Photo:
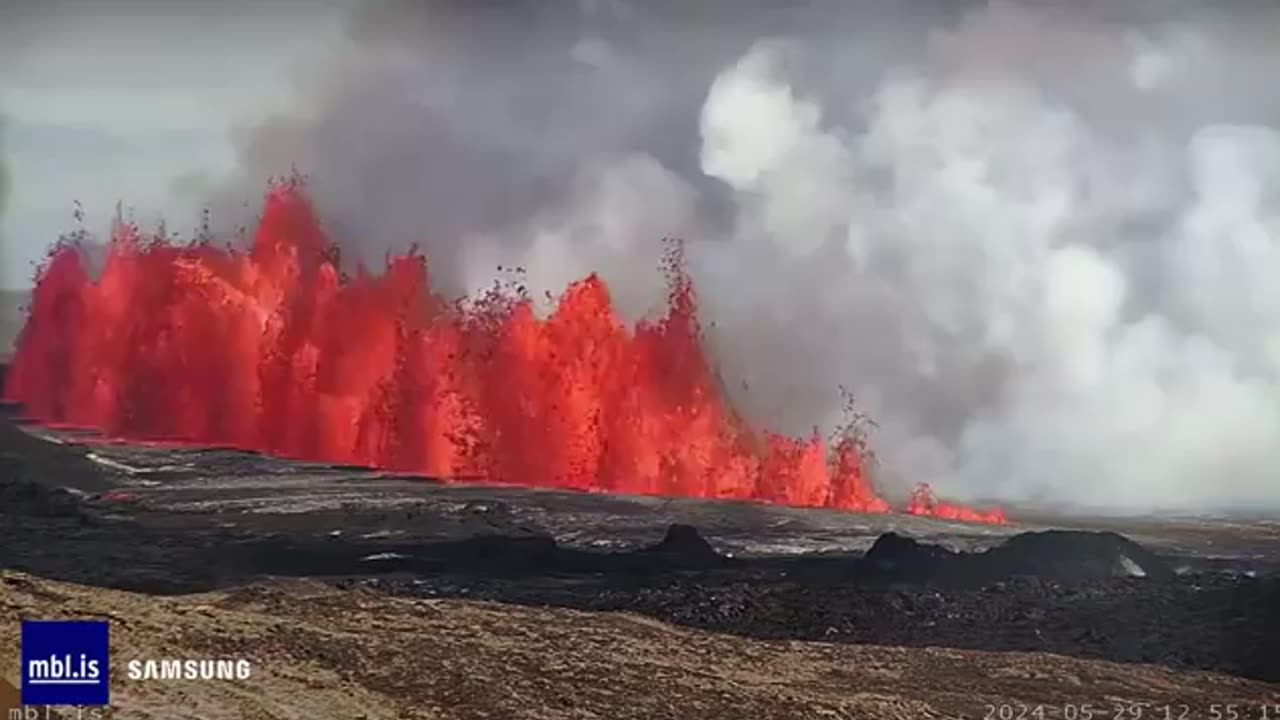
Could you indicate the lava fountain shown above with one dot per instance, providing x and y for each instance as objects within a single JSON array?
[{"x": 273, "y": 350}]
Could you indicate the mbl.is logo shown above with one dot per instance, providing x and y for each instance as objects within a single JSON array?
[{"x": 65, "y": 662}]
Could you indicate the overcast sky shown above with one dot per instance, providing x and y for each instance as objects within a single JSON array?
[{"x": 120, "y": 100}]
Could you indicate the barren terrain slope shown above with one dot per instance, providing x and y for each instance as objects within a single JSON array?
[{"x": 321, "y": 652}]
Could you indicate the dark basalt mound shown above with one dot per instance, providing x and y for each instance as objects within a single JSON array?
[
  {"x": 1064, "y": 556},
  {"x": 1071, "y": 556},
  {"x": 902, "y": 558},
  {"x": 684, "y": 547}
]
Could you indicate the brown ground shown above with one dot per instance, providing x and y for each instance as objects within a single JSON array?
[{"x": 319, "y": 652}]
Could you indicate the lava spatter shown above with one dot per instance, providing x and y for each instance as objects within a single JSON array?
[{"x": 273, "y": 349}]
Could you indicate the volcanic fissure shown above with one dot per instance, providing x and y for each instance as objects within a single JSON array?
[{"x": 273, "y": 349}]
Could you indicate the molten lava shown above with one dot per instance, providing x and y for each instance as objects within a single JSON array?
[{"x": 273, "y": 350}]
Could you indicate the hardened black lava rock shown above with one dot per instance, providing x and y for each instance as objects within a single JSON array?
[
  {"x": 22, "y": 494},
  {"x": 684, "y": 547},
  {"x": 1093, "y": 595},
  {"x": 893, "y": 556},
  {"x": 1070, "y": 556},
  {"x": 1217, "y": 622},
  {"x": 1067, "y": 556}
]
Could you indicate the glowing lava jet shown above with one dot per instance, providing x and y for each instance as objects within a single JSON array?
[{"x": 273, "y": 350}]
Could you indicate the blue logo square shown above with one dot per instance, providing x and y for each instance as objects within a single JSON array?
[{"x": 65, "y": 662}]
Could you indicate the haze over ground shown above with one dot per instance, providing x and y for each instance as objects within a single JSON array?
[{"x": 1035, "y": 240}]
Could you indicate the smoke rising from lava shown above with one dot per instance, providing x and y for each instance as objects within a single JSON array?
[
  {"x": 1034, "y": 241},
  {"x": 5, "y": 188}
]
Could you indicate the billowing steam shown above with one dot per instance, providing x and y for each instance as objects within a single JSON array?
[{"x": 1036, "y": 242}]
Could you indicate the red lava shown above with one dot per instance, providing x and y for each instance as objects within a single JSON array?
[{"x": 274, "y": 350}]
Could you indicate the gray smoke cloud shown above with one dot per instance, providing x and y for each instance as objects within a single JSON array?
[
  {"x": 6, "y": 183},
  {"x": 1035, "y": 240}
]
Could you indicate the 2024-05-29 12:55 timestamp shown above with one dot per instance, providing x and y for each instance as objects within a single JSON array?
[{"x": 1133, "y": 711}]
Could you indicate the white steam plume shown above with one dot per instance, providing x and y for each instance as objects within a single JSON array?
[{"x": 1035, "y": 242}]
